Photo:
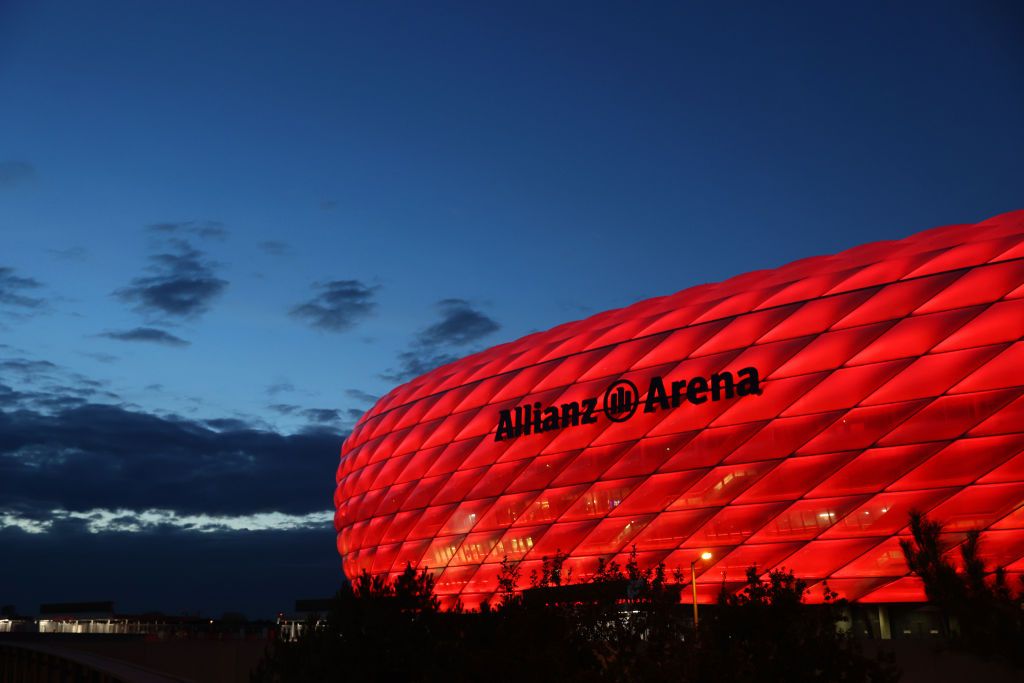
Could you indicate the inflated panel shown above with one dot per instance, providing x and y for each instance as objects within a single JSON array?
[{"x": 791, "y": 417}]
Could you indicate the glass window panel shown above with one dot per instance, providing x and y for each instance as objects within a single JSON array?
[
  {"x": 562, "y": 537},
  {"x": 886, "y": 513},
  {"x": 734, "y": 565},
  {"x": 845, "y": 387},
  {"x": 400, "y": 527},
  {"x": 621, "y": 358},
  {"x": 734, "y": 524},
  {"x": 805, "y": 519},
  {"x": 1005, "y": 370},
  {"x": 814, "y": 317},
  {"x": 550, "y": 504},
  {"x": 861, "y": 427},
  {"x": 1005, "y": 420},
  {"x": 818, "y": 559},
  {"x": 931, "y": 375},
  {"x": 496, "y": 479},
  {"x": 601, "y": 498},
  {"x": 1011, "y": 470},
  {"x": 656, "y": 492},
  {"x": 670, "y": 529},
  {"x": 476, "y": 547},
  {"x": 516, "y": 543},
  {"x": 777, "y": 395},
  {"x": 612, "y": 535},
  {"x": 1001, "y": 322},
  {"x": 540, "y": 471},
  {"x": 506, "y": 511},
  {"x": 721, "y": 485},
  {"x": 914, "y": 336},
  {"x": 830, "y": 350},
  {"x": 590, "y": 464},
  {"x": 453, "y": 580},
  {"x": 440, "y": 551},
  {"x": 978, "y": 506},
  {"x": 466, "y": 515},
  {"x": 897, "y": 300},
  {"x": 458, "y": 485},
  {"x": 418, "y": 464},
  {"x": 907, "y": 589},
  {"x": 735, "y": 303},
  {"x": 647, "y": 455},
  {"x": 892, "y": 268},
  {"x": 794, "y": 477},
  {"x": 874, "y": 469},
  {"x": 961, "y": 462},
  {"x": 711, "y": 446},
  {"x": 451, "y": 457},
  {"x": 431, "y": 520},
  {"x": 744, "y": 330},
  {"x": 782, "y": 437},
  {"x": 947, "y": 417},
  {"x": 679, "y": 344},
  {"x": 884, "y": 559},
  {"x": 977, "y": 286}
]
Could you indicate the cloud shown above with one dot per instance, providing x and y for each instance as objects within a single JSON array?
[
  {"x": 100, "y": 357},
  {"x": 14, "y": 288},
  {"x": 69, "y": 254},
  {"x": 204, "y": 229},
  {"x": 280, "y": 388},
  {"x": 362, "y": 396},
  {"x": 182, "y": 284},
  {"x": 15, "y": 173},
  {"x": 149, "y": 335},
  {"x": 105, "y": 520},
  {"x": 445, "y": 341},
  {"x": 460, "y": 324},
  {"x": 91, "y": 455},
  {"x": 274, "y": 248},
  {"x": 322, "y": 415},
  {"x": 338, "y": 306}
]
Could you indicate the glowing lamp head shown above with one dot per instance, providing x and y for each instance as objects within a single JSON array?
[{"x": 705, "y": 556}]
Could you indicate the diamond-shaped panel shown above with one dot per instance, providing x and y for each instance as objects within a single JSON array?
[{"x": 791, "y": 417}]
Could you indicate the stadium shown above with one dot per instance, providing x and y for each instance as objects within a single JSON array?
[{"x": 791, "y": 417}]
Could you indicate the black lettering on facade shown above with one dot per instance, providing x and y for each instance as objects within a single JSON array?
[
  {"x": 505, "y": 428},
  {"x": 656, "y": 397},
  {"x": 696, "y": 390},
  {"x": 570, "y": 414},
  {"x": 533, "y": 417},
  {"x": 677, "y": 392},
  {"x": 750, "y": 383},
  {"x": 720, "y": 382}
]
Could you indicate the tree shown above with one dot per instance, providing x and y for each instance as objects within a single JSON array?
[{"x": 978, "y": 608}]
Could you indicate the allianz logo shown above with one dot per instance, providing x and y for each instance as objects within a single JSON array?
[{"x": 621, "y": 401}]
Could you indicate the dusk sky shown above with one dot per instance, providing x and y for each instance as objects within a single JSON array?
[{"x": 227, "y": 228}]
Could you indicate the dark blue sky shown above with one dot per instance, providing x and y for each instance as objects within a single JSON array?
[{"x": 226, "y": 227}]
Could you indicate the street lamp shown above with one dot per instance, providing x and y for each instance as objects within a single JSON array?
[{"x": 704, "y": 556}]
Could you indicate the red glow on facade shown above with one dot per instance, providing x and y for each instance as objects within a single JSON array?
[{"x": 890, "y": 377}]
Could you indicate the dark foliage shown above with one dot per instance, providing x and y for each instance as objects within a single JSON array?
[
  {"x": 980, "y": 613},
  {"x": 625, "y": 624}
]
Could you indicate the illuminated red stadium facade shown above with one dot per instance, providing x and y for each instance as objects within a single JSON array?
[{"x": 790, "y": 417}]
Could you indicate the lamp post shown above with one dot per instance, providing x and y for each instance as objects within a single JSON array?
[{"x": 704, "y": 556}]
